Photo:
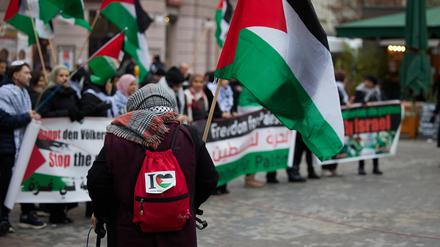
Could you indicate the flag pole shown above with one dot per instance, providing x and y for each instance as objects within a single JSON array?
[
  {"x": 37, "y": 40},
  {"x": 211, "y": 111},
  {"x": 52, "y": 51},
  {"x": 83, "y": 47}
]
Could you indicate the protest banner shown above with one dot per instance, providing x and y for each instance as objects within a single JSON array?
[
  {"x": 56, "y": 169},
  {"x": 247, "y": 144},
  {"x": 61, "y": 156},
  {"x": 371, "y": 131}
]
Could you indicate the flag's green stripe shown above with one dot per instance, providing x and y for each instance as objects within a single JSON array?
[
  {"x": 47, "y": 10},
  {"x": 40, "y": 179},
  {"x": 73, "y": 8},
  {"x": 265, "y": 73},
  {"x": 372, "y": 111},
  {"x": 23, "y": 24},
  {"x": 218, "y": 32},
  {"x": 103, "y": 68},
  {"x": 83, "y": 23},
  {"x": 122, "y": 18},
  {"x": 253, "y": 163}
]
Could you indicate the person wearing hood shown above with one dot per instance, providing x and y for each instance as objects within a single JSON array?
[
  {"x": 60, "y": 100},
  {"x": 127, "y": 139},
  {"x": 126, "y": 86},
  {"x": 368, "y": 91}
]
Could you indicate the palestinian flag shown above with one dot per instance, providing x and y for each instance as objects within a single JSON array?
[
  {"x": 71, "y": 11},
  {"x": 223, "y": 17},
  {"x": 279, "y": 51},
  {"x": 129, "y": 16},
  {"x": 16, "y": 16},
  {"x": 105, "y": 62}
]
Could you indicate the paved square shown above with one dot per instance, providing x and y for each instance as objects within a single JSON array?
[{"x": 401, "y": 208}]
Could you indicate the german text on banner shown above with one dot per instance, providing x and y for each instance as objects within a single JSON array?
[
  {"x": 371, "y": 131},
  {"x": 63, "y": 153}
]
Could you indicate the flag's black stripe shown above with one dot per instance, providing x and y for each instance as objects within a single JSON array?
[
  {"x": 305, "y": 11},
  {"x": 228, "y": 14},
  {"x": 142, "y": 18}
]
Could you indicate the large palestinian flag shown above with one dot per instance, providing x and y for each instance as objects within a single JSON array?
[
  {"x": 129, "y": 16},
  {"x": 279, "y": 51},
  {"x": 105, "y": 62},
  {"x": 223, "y": 17}
]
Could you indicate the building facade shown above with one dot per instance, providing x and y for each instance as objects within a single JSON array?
[{"x": 183, "y": 30}]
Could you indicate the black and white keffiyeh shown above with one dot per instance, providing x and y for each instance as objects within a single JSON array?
[{"x": 149, "y": 109}]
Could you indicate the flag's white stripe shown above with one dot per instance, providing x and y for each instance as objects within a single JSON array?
[
  {"x": 224, "y": 28},
  {"x": 130, "y": 8},
  {"x": 44, "y": 30},
  {"x": 67, "y": 20},
  {"x": 310, "y": 62},
  {"x": 143, "y": 52},
  {"x": 34, "y": 8}
]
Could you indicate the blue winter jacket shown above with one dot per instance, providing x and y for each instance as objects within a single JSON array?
[{"x": 8, "y": 123}]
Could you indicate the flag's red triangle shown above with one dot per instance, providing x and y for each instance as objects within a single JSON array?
[
  {"x": 112, "y": 48},
  {"x": 13, "y": 8},
  {"x": 255, "y": 13},
  {"x": 36, "y": 161},
  {"x": 220, "y": 4}
]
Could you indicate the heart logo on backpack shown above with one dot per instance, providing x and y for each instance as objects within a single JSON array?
[
  {"x": 159, "y": 182},
  {"x": 164, "y": 180}
]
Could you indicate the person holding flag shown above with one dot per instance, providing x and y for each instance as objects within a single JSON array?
[
  {"x": 103, "y": 66},
  {"x": 130, "y": 17}
]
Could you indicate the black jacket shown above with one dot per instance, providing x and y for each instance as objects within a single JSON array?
[
  {"x": 60, "y": 101},
  {"x": 92, "y": 106},
  {"x": 111, "y": 182},
  {"x": 8, "y": 123}
]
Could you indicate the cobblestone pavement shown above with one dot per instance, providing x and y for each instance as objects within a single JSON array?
[{"x": 401, "y": 208}]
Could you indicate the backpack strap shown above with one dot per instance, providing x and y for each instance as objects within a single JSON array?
[{"x": 173, "y": 140}]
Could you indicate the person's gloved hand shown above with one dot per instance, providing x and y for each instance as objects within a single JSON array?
[
  {"x": 75, "y": 115},
  {"x": 104, "y": 106}
]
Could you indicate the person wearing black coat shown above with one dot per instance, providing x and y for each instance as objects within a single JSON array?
[
  {"x": 60, "y": 100},
  {"x": 113, "y": 193},
  {"x": 368, "y": 91},
  {"x": 95, "y": 102}
]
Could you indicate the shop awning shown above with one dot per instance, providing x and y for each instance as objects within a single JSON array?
[{"x": 387, "y": 27}]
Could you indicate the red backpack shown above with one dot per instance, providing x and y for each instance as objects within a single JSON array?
[{"x": 161, "y": 197}]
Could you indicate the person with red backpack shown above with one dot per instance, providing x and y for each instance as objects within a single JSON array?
[{"x": 152, "y": 175}]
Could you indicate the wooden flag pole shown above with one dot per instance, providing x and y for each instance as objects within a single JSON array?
[
  {"x": 211, "y": 111},
  {"x": 83, "y": 47},
  {"x": 40, "y": 53},
  {"x": 52, "y": 52}
]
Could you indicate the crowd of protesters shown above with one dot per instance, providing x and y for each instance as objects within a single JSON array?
[{"x": 27, "y": 95}]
